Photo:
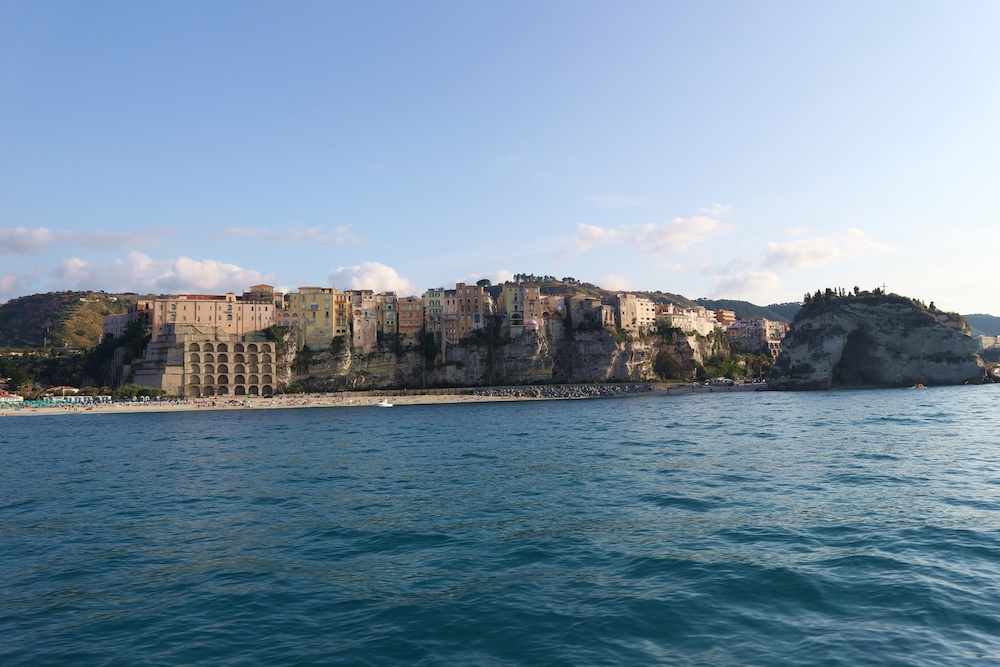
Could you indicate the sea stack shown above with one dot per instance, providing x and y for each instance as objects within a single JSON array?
[{"x": 875, "y": 341}]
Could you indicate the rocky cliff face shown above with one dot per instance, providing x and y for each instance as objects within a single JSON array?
[
  {"x": 885, "y": 341},
  {"x": 555, "y": 357}
]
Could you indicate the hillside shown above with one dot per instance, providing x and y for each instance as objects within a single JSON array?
[
  {"x": 58, "y": 319},
  {"x": 983, "y": 325}
]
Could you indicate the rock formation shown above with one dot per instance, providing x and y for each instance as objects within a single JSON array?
[{"x": 880, "y": 341}]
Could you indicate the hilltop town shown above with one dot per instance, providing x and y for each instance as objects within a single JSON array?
[
  {"x": 241, "y": 344},
  {"x": 534, "y": 329}
]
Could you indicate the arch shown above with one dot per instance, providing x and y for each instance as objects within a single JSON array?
[
  {"x": 222, "y": 379},
  {"x": 222, "y": 347},
  {"x": 516, "y": 319},
  {"x": 240, "y": 368},
  {"x": 194, "y": 347},
  {"x": 195, "y": 380},
  {"x": 240, "y": 390},
  {"x": 253, "y": 358},
  {"x": 265, "y": 379},
  {"x": 240, "y": 379},
  {"x": 209, "y": 379},
  {"x": 265, "y": 357},
  {"x": 209, "y": 348},
  {"x": 253, "y": 379},
  {"x": 238, "y": 347},
  {"x": 265, "y": 368},
  {"x": 222, "y": 358},
  {"x": 222, "y": 368},
  {"x": 195, "y": 357},
  {"x": 239, "y": 358},
  {"x": 210, "y": 358},
  {"x": 195, "y": 368},
  {"x": 223, "y": 391},
  {"x": 209, "y": 368},
  {"x": 254, "y": 368},
  {"x": 252, "y": 347},
  {"x": 193, "y": 392},
  {"x": 266, "y": 390},
  {"x": 208, "y": 391},
  {"x": 254, "y": 391}
]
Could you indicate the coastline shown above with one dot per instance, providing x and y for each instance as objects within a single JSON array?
[{"x": 372, "y": 398}]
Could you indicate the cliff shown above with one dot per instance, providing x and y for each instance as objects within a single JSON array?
[
  {"x": 881, "y": 341},
  {"x": 557, "y": 356}
]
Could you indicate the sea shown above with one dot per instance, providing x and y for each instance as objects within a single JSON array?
[{"x": 855, "y": 527}]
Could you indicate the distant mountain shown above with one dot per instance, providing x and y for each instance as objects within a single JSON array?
[
  {"x": 59, "y": 319},
  {"x": 786, "y": 310},
  {"x": 745, "y": 309},
  {"x": 983, "y": 325}
]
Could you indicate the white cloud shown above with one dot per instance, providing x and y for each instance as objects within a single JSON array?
[
  {"x": 145, "y": 274},
  {"x": 614, "y": 200},
  {"x": 373, "y": 276},
  {"x": 587, "y": 237},
  {"x": 807, "y": 253},
  {"x": 746, "y": 283},
  {"x": 672, "y": 267},
  {"x": 10, "y": 285},
  {"x": 21, "y": 240},
  {"x": 616, "y": 283},
  {"x": 678, "y": 235},
  {"x": 339, "y": 235},
  {"x": 717, "y": 210}
]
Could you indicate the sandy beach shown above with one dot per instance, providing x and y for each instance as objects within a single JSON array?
[{"x": 373, "y": 398}]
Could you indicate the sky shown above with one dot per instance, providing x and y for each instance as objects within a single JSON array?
[{"x": 752, "y": 150}]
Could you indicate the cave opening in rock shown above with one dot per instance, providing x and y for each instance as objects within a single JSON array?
[{"x": 859, "y": 365}]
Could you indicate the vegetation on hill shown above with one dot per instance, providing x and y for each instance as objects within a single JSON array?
[
  {"x": 59, "y": 319},
  {"x": 786, "y": 310}
]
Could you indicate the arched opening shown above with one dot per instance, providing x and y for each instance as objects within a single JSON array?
[
  {"x": 195, "y": 357},
  {"x": 193, "y": 392},
  {"x": 222, "y": 358},
  {"x": 240, "y": 379},
  {"x": 210, "y": 358},
  {"x": 195, "y": 380},
  {"x": 222, "y": 347},
  {"x": 208, "y": 391},
  {"x": 266, "y": 368},
  {"x": 195, "y": 368},
  {"x": 238, "y": 347},
  {"x": 266, "y": 379},
  {"x": 223, "y": 379},
  {"x": 240, "y": 390},
  {"x": 253, "y": 379},
  {"x": 223, "y": 391},
  {"x": 194, "y": 347},
  {"x": 209, "y": 348},
  {"x": 240, "y": 368},
  {"x": 239, "y": 358},
  {"x": 266, "y": 390},
  {"x": 254, "y": 391},
  {"x": 265, "y": 357},
  {"x": 209, "y": 379},
  {"x": 252, "y": 347},
  {"x": 209, "y": 368},
  {"x": 223, "y": 368}
]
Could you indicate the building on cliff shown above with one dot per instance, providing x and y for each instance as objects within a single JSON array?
[
  {"x": 473, "y": 305},
  {"x": 519, "y": 303},
  {"x": 236, "y": 315},
  {"x": 411, "y": 315},
  {"x": 701, "y": 321},
  {"x": 758, "y": 334},
  {"x": 633, "y": 313}
]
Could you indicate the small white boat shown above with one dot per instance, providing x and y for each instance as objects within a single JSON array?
[{"x": 384, "y": 403}]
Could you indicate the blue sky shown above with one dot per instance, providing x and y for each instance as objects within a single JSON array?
[{"x": 746, "y": 150}]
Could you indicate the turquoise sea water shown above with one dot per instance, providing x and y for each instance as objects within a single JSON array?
[{"x": 833, "y": 528}]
